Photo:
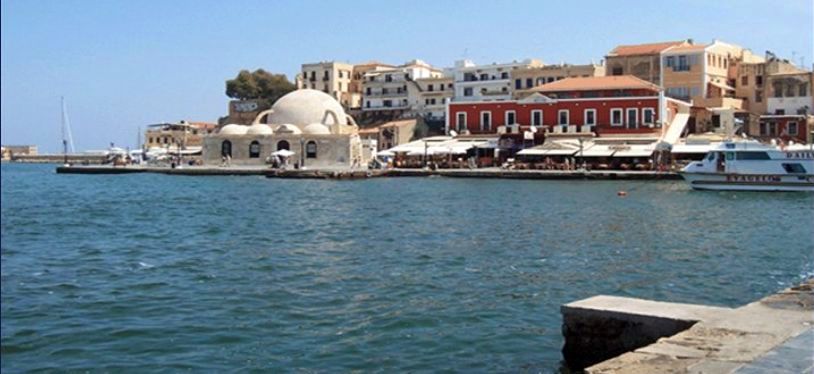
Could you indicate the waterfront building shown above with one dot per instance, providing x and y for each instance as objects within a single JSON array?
[
  {"x": 486, "y": 82},
  {"x": 386, "y": 91},
  {"x": 331, "y": 77},
  {"x": 640, "y": 60},
  {"x": 428, "y": 97},
  {"x": 525, "y": 80},
  {"x": 390, "y": 134},
  {"x": 612, "y": 104},
  {"x": 184, "y": 134},
  {"x": 10, "y": 151},
  {"x": 309, "y": 123},
  {"x": 606, "y": 116}
]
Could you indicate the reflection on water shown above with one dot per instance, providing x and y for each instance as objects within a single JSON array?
[{"x": 211, "y": 273}]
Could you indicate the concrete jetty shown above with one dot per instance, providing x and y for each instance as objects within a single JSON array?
[
  {"x": 608, "y": 334},
  {"x": 363, "y": 173}
]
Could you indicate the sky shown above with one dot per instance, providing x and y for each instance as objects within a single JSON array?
[{"x": 122, "y": 65}]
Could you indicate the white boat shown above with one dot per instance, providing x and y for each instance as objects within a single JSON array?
[{"x": 752, "y": 166}]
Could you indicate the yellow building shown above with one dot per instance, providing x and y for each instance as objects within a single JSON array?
[
  {"x": 640, "y": 60},
  {"x": 171, "y": 135},
  {"x": 331, "y": 77}
]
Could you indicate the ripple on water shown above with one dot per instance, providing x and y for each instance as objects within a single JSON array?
[{"x": 235, "y": 273}]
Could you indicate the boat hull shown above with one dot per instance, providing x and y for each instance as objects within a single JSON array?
[{"x": 749, "y": 182}]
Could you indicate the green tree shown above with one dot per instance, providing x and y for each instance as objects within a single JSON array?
[{"x": 259, "y": 84}]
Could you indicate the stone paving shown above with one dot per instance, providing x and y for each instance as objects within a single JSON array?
[{"x": 772, "y": 335}]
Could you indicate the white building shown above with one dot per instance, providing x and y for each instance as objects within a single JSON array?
[
  {"x": 388, "y": 89},
  {"x": 486, "y": 82}
]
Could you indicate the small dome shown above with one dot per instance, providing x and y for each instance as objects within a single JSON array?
[
  {"x": 301, "y": 107},
  {"x": 288, "y": 128},
  {"x": 259, "y": 129},
  {"x": 316, "y": 129},
  {"x": 233, "y": 129}
]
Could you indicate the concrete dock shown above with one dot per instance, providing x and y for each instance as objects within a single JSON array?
[
  {"x": 608, "y": 334},
  {"x": 363, "y": 173}
]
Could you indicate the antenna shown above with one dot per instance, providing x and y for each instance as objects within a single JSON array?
[{"x": 66, "y": 126}]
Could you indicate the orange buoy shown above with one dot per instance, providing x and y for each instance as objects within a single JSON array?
[{"x": 621, "y": 193}]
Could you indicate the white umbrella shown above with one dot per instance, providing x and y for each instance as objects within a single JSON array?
[
  {"x": 385, "y": 154},
  {"x": 283, "y": 153}
]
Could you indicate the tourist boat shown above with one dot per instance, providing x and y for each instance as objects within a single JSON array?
[{"x": 752, "y": 166}]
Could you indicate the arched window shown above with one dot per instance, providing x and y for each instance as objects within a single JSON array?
[
  {"x": 282, "y": 144},
  {"x": 254, "y": 149},
  {"x": 226, "y": 148},
  {"x": 311, "y": 149}
]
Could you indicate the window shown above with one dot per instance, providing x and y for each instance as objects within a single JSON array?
[
  {"x": 511, "y": 117},
  {"x": 683, "y": 65},
  {"x": 791, "y": 128},
  {"x": 616, "y": 117},
  {"x": 484, "y": 77},
  {"x": 311, "y": 149},
  {"x": 388, "y": 78},
  {"x": 537, "y": 118},
  {"x": 225, "y": 149},
  {"x": 745, "y": 80},
  {"x": 485, "y": 121},
  {"x": 758, "y": 96},
  {"x": 648, "y": 116},
  {"x": 430, "y": 88},
  {"x": 752, "y": 156},
  {"x": 504, "y": 75},
  {"x": 615, "y": 71},
  {"x": 387, "y": 103},
  {"x": 803, "y": 89},
  {"x": 282, "y": 144},
  {"x": 540, "y": 81},
  {"x": 529, "y": 82},
  {"x": 254, "y": 149},
  {"x": 367, "y": 103},
  {"x": 551, "y": 79},
  {"x": 518, "y": 84},
  {"x": 460, "y": 121},
  {"x": 794, "y": 168},
  {"x": 468, "y": 91},
  {"x": 562, "y": 117},
  {"x": 150, "y": 141},
  {"x": 759, "y": 80},
  {"x": 590, "y": 117},
  {"x": 632, "y": 118},
  {"x": 670, "y": 61},
  {"x": 367, "y": 91}
]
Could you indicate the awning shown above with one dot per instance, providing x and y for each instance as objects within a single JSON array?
[
  {"x": 419, "y": 152},
  {"x": 598, "y": 150},
  {"x": 636, "y": 151},
  {"x": 385, "y": 154},
  {"x": 532, "y": 152}
]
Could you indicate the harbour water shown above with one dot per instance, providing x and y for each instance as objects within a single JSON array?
[{"x": 148, "y": 272}]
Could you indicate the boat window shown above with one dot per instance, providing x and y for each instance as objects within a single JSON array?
[
  {"x": 730, "y": 156},
  {"x": 794, "y": 168},
  {"x": 711, "y": 156},
  {"x": 753, "y": 156}
]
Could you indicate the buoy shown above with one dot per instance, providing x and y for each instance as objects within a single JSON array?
[{"x": 621, "y": 193}]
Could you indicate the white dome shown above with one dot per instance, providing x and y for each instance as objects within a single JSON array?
[
  {"x": 302, "y": 107},
  {"x": 259, "y": 129},
  {"x": 288, "y": 129},
  {"x": 233, "y": 129},
  {"x": 316, "y": 129}
]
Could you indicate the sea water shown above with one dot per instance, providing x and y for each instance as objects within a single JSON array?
[{"x": 149, "y": 272}]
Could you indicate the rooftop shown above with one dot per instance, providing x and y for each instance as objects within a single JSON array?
[
  {"x": 644, "y": 49},
  {"x": 617, "y": 82}
]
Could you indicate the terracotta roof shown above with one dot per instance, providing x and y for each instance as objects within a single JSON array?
[
  {"x": 617, "y": 82},
  {"x": 643, "y": 49}
]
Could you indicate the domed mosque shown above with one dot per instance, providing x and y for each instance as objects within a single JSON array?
[{"x": 308, "y": 122}]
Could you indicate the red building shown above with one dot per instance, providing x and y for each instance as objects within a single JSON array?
[
  {"x": 789, "y": 127},
  {"x": 603, "y": 105}
]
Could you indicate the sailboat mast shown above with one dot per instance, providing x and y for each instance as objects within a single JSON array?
[{"x": 66, "y": 127}]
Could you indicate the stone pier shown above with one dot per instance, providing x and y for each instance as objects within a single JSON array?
[{"x": 607, "y": 334}]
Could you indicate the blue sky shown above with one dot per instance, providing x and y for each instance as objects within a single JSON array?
[{"x": 125, "y": 64}]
